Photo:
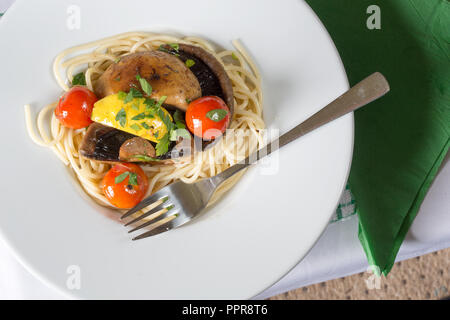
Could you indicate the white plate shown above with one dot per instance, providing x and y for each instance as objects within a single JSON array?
[{"x": 244, "y": 244}]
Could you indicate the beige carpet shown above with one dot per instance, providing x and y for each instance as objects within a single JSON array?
[{"x": 425, "y": 277}]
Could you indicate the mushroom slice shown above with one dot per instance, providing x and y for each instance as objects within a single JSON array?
[
  {"x": 136, "y": 149},
  {"x": 213, "y": 81},
  {"x": 167, "y": 75}
]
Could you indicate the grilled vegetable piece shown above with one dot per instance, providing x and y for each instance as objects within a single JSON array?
[
  {"x": 133, "y": 117},
  {"x": 167, "y": 75},
  {"x": 136, "y": 150}
]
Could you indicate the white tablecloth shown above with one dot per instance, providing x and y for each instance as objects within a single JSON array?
[{"x": 338, "y": 253}]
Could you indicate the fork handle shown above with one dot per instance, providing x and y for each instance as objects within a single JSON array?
[{"x": 364, "y": 92}]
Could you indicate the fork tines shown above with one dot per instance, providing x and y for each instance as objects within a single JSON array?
[{"x": 155, "y": 215}]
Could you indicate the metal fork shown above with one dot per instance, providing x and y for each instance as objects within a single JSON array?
[{"x": 180, "y": 202}]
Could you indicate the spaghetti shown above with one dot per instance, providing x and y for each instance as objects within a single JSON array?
[{"x": 243, "y": 137}]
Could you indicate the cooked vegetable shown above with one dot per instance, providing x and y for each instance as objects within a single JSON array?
[
  {"x": 125, "y": 185},
  {"x": 207, "y": 117},
  {"x": 75, "y": 107},
  {"x": 79, "y": 79},
  {"x": 134, "y": 148},
  {"x": 139, "y": 116},
  {"x": 164, "y": 73}
]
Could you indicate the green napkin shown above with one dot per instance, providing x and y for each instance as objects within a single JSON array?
[{"x": 401, "y": 139}]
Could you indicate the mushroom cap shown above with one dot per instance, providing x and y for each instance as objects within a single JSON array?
[{"x": 167, "y": 75}]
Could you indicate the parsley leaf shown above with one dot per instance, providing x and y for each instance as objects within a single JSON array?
[
  {"x": 175, "y": 46},
  {"x": 121, "y": 95},
  {"x": 133, "y": 179},
  {"x": 163, "y": 145},
  {"x": 140, "y": 116},
  {"x": 117, "y": 79},
  {"x": 79, "y": 79},
  {"x": 121, "y": 177},
  {"x": 146, "y": 87},
  {"x": 233, "y": 55},
  {"x": 189, "y": 63},
  {"x": 135, "y": 105},
  {"x": 143, "y": 157},
  {"x": 134, "y": 93},
  {"x": 122, "y": 117},
  {"x": 161, "y": 101},
  {"x": 135, "y": 126},
  {"x": 216, "y": 115},
  {"x": 145, "y": 125},
  {"x": 179, "y": 120}
]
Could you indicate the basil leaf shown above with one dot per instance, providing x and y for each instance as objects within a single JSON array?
[
  {"x": 216, "y": 115},
  {"x": 122, "y": 117},
  {"x": 163, "y": 145},
  {"x": 140, "y": 116},
  {"x": 135, "y": 126},
  {"x": 146, "y": 87},
  {"x": 79, "y": 79},
  {"x": 133, "y": 179},
  {"x": 121, "y": 177},
  {"x": 189, "y": 63}
]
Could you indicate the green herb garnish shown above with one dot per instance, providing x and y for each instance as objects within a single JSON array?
[
  {"x": 233, "y": 55},
  {"x": 134, "y": 93},
  {"x": 117, "y": 60},
  {"x": 143, "y": 157},
  {"x": 188, "y": 100},
  {"x": 121, "y": 95},
  {"x": 133, "y": 179},
  {"x": 175, "y": 46},
  {"x": 117, "y": 79},
  {"x": 163, "y": 145},
  {"x": 79, "y": 79},
  {"x": 121, "y": 177},
  {"x": 161, "y": 101},
  {"x": 189, "y": 63},
  {"x": 145, "y": 125},
  {"x": 216, "y": 115},
  {"x": 135, "y": 105},
  {"x": 164, "y": 49},
  {"x": 139, "y": 116},
  {"x": 135, "y": 127},
  {"x": 179, "y": 120},
  {"x": 146, "y": 87},
  {"x": 122, "y": 117}
]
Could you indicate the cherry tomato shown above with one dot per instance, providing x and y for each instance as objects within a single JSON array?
[
  {"x": 125, "y": 185},
  {"x": 75, "y": 107},
  {"x": 204, "y": 121}
]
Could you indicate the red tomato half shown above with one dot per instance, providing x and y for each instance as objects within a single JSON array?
[
  {"x": 204, "y": 120},
  {"x": 75, "y": 107},
  {"x": 125, "y": 185}
]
